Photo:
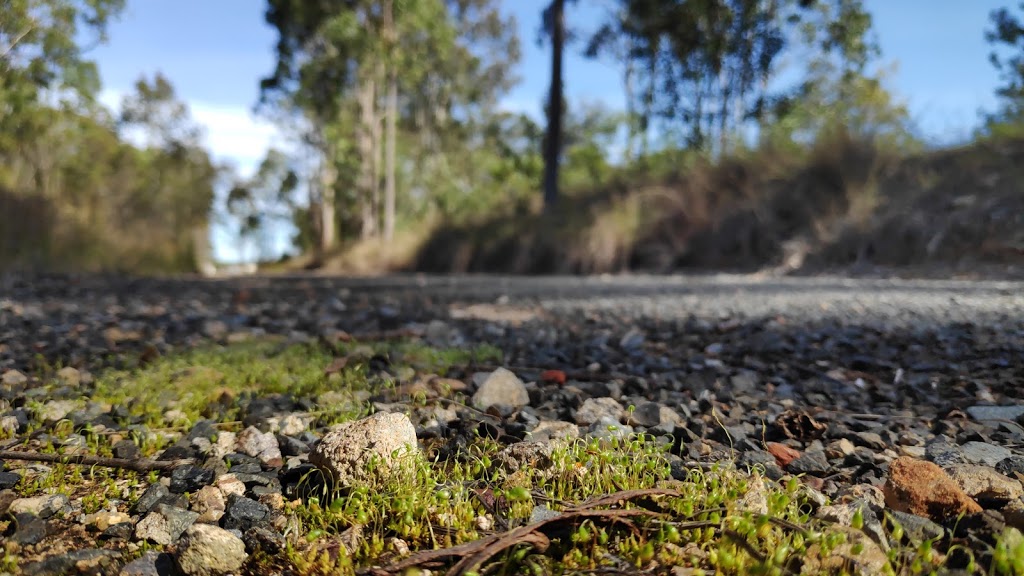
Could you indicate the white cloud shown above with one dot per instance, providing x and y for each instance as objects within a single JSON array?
[
  {"x": 235, "y": 134},
  {"x": 231, "y": 133}
]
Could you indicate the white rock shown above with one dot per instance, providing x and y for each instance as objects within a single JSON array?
[
  {"x": 207, "y": 550},
  {"x": 262, "y": 445},
  {"x": 57, "y": 410},
  {"x": 209, "y": 502},
  {"x": 225, "y": 444},
  {"x": 69, "y": 376},
  {"x": 229, "y": 484},
  {"x": 346, "y": 452},
  {"x": 13, "y": 378},
  {"x": 594, "y": 409},
  {"x": 42, "y": 506},
  {"x": 501, "y": 387}
]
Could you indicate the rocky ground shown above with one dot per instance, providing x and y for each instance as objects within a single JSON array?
[{"x": 897, "y": 406}]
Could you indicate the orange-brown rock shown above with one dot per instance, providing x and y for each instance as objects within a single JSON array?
[
  {"x": 922, "y": 488},
  {"x": 783, "y": 454}
]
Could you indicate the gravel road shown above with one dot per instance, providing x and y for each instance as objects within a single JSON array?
[{"x": 830, "y": 378}]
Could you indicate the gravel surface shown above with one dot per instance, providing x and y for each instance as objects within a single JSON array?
[{"x": 831, "y": 378}]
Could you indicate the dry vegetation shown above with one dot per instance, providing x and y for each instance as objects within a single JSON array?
[{"x": 844, "y": 205}]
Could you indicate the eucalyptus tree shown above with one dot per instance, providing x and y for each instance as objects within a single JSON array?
[
  {"x": 373, "y": 79},
  {"x": 1007, "y": 38}
]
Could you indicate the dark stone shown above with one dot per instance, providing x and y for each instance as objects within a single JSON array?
[
  {"x": 190, "y": 478},
  {"x": 1010, "y": 465},
  {"x": 265, "y": 538},
  {"x": 203, "y": 429},
  {"x": 30, "y": 529},
  {"x": 122, "y": 531},
  {"x": 243, "y": 464},
  {"x": 151, "y": 563},
  {"x": 80, "y": 562},
  {"x": 943, "y": 452},
  {"x": 155, "y": 494},
  {"x": 812, "y": 462},
  {"x": 127, "y": 449},
  {"x": 9, "y": 480},
  {"x": 242, "y": 513},
  {"x": 251, "y": 480},
  {"x": 291, "y": 446},
  {"x": 871, "y": 439},
  {"x": 647, "y": 414},
  {"x": 176, "y": 452},
  {"x": 917, "y": 528}
]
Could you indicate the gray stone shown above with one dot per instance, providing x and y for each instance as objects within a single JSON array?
[
  {"x": 982, "y": 413},
  {"x": 872, "y": 440},
  {"x": 744, "y": 382},
  {"x": 261, "y": 537},
  {"x": 9, "y": 480},
  {"x": 609, "y": 428},
  {"x": 209, "y": 502},
  {"x": 69, "y": 376},
  {"x": 632, "y": 340},
  {"x": 152, "y": 496},
  {"x": 89, "y": 561},
  {"x": 41, "y": 506},
  {"x": 207, "y": 550},
  {"x": 843, "y": 515},
  {"x": 57, "y": 410},
  {"x": 810, "y": 462},
  {"x": 549, "y": 430},
  {"x": 262, "y": 445},
  {"x": 943, "y": 452},
  {"x": 13, "y": 378},
  {"x": 242, "y": 513},
  {"x": 152, "y": 563},
  {"x": 647, "y": 414},
  {"x": 500, "y": 388},
  {"x": 164, "y": 524},
  {"x": 190, "y": 478},
  {"x": 541, "y": 513},
  {"x": 345, "y": 453},
  {"x": 984, "y": 483},
  {"x": 30, "y": 529},
  {"x": 531, "y": 455},
  {"x": 985, "y": 453},
  {"x": 595, "y": 409},
  {"x": 917, "y": 528}
]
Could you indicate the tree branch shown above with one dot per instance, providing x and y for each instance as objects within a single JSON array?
[{"x": 138, "y": 465}]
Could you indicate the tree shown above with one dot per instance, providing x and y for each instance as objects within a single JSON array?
[
  {"x": 374, "y": 80},
  {"x": 1007, "y": 56},
  {"x": 40, "y": 54},
  {"x": 555, "y": 23}
]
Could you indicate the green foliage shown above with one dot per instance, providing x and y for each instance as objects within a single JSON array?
[
  {"x": 1007, "y": 38},
  {"x": 74, "y": 193}
]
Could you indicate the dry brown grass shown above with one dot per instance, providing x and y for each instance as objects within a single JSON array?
[{"x": 844, "y": 203}]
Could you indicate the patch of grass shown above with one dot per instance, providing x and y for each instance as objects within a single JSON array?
[
  {"x": 428, "y": 359},
  {"x": 710, "y": 519},
  {"x": 207, "y": 382}
]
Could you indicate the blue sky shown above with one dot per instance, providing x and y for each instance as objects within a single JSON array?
[{"x": 216, "y": 51}]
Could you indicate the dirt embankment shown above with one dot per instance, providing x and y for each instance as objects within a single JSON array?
[{"x": 844, "y": 206}]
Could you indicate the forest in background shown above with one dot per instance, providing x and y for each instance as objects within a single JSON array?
[{"x": 400, "y": 156}]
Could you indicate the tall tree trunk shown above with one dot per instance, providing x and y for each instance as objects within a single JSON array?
[
  {"x": 630, "y": 106},
  {"x": 390, "y": 159},
  {"x": 378, "y": 149},
  {"x": 392, "y": 126},
  {"x": 367, "y": 157},
  {"x": 327, "y": 211},
  {"x": 554, "y": 133}
]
